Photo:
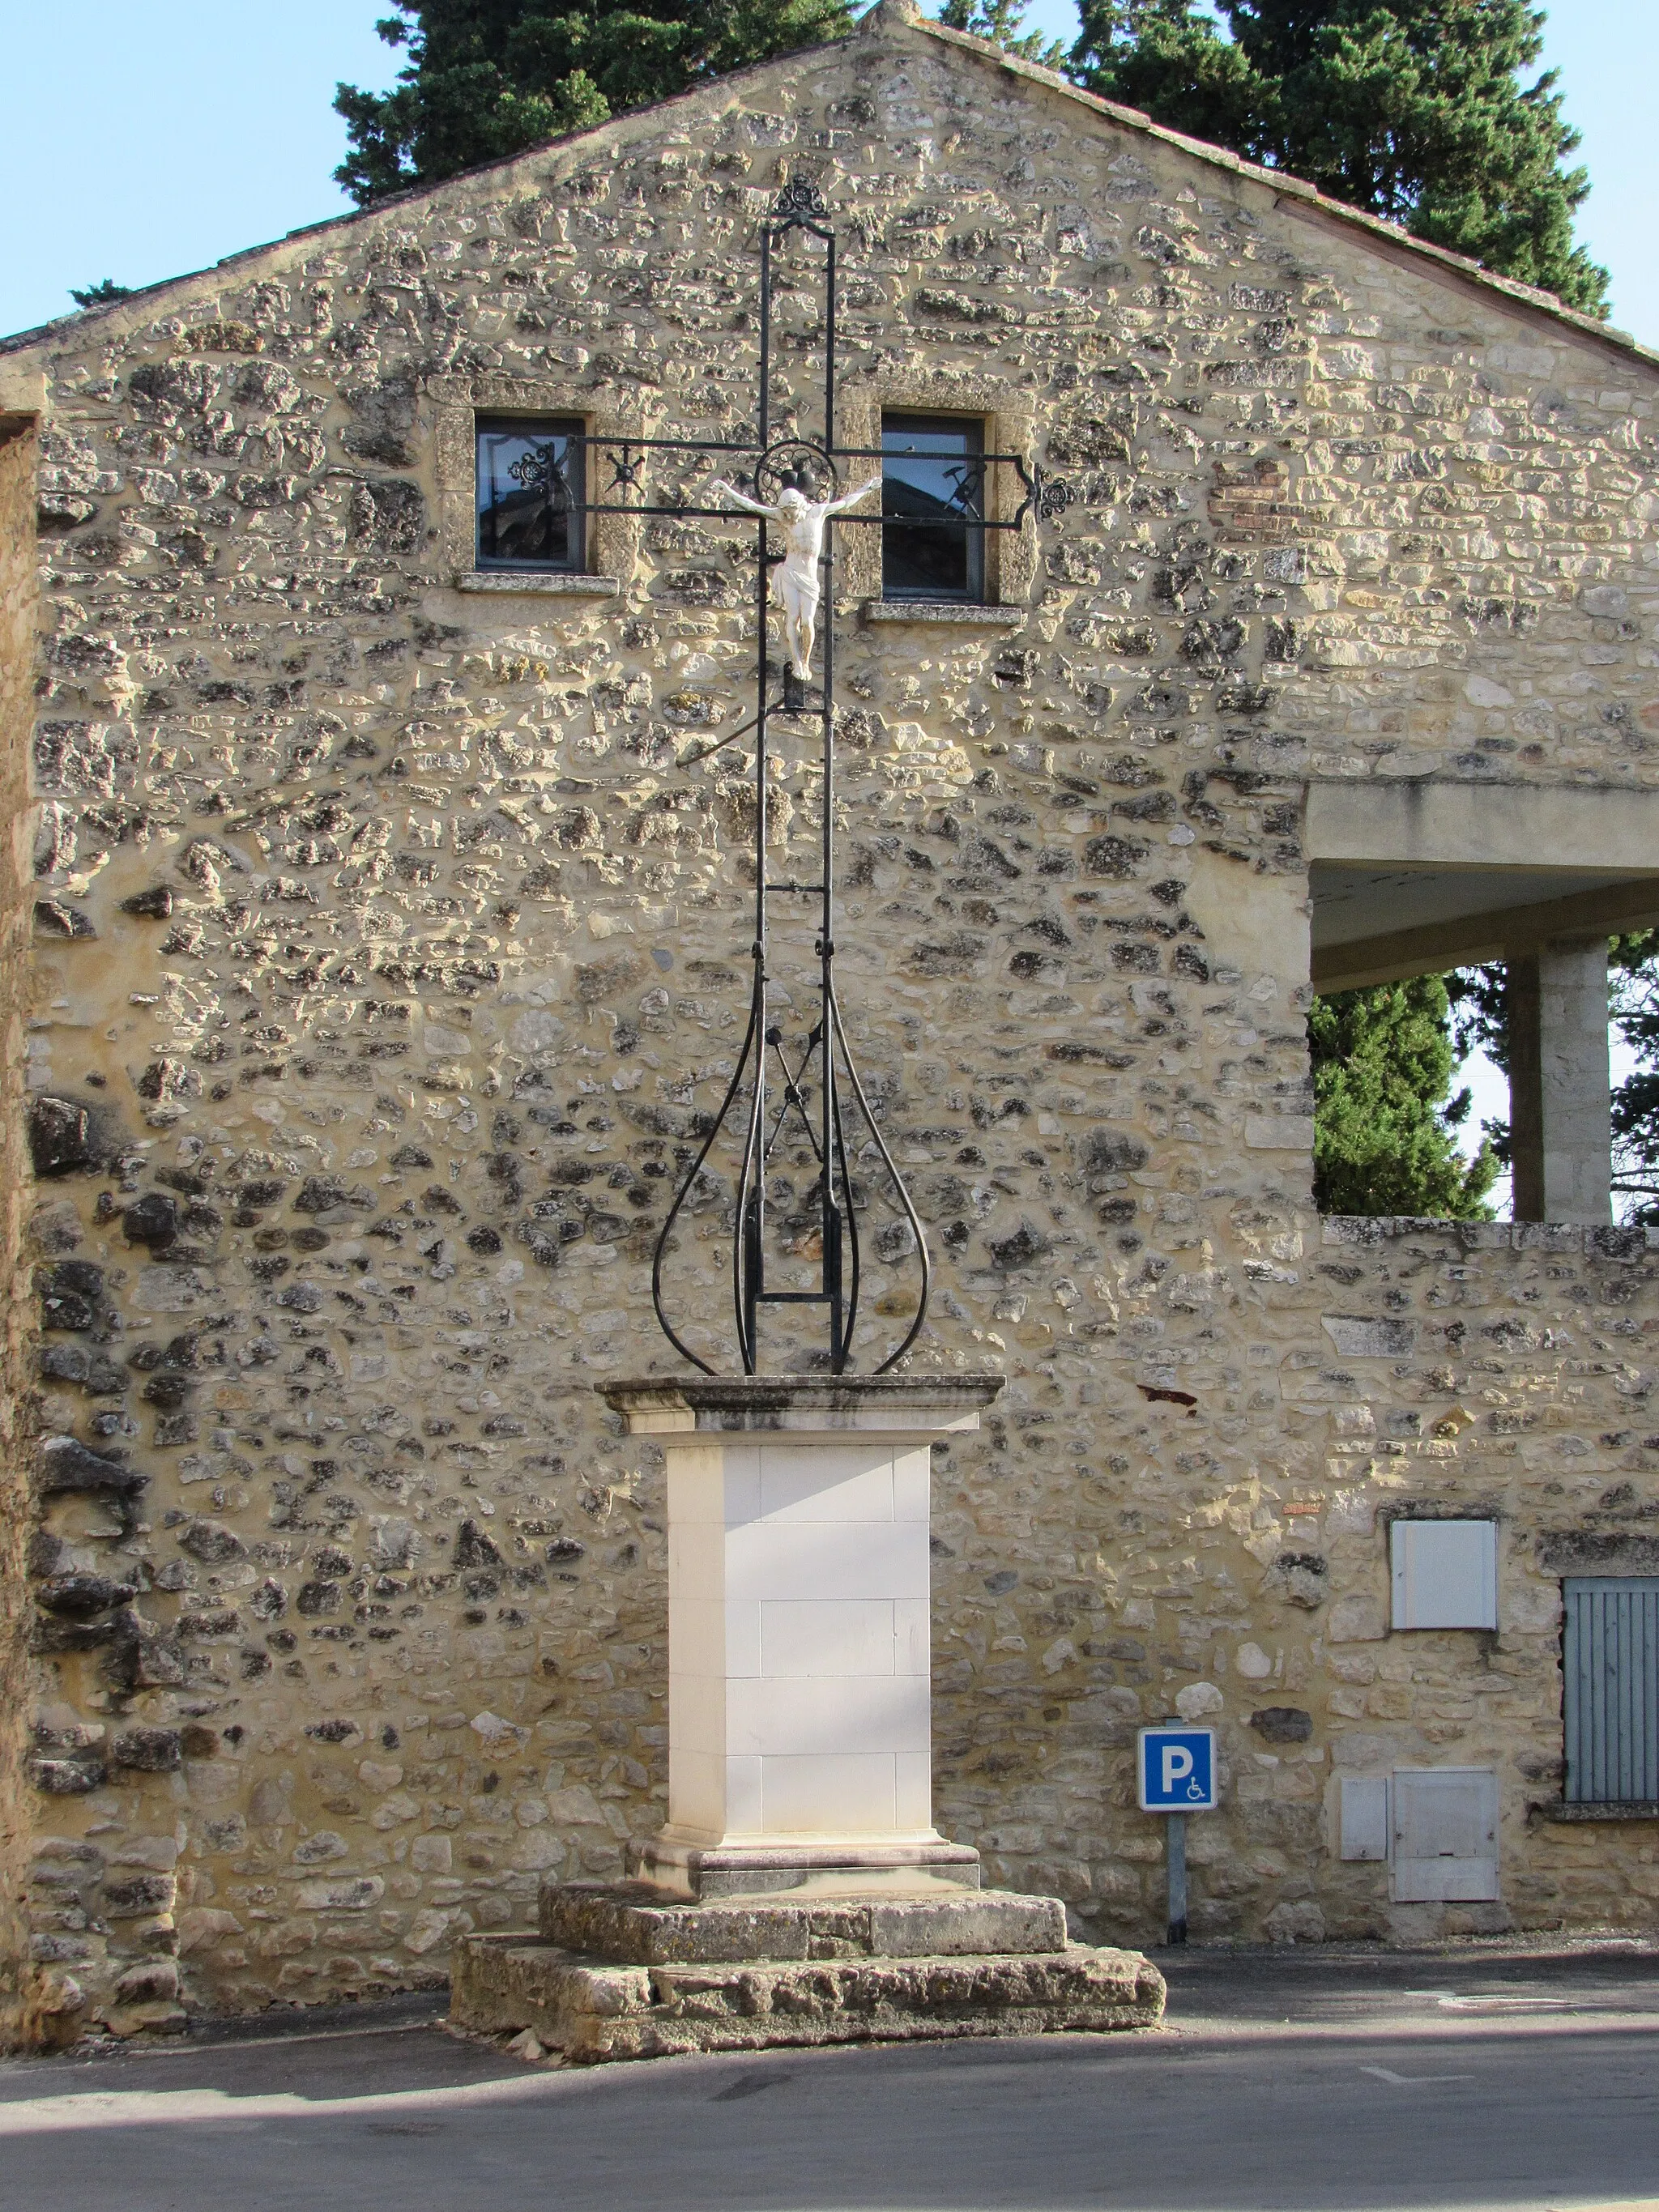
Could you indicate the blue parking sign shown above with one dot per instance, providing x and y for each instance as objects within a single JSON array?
[{"x": 1177, "y": 1769}]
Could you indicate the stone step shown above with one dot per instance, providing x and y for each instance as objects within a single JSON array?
[
  {"x": 700, "y": 1872},
  {"x": 592, "y": 2010},
  {"x": 634, "y": 1924}
]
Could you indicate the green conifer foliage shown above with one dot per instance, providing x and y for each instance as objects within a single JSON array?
[
  {"x": 1003, "y": 22},
  {"x": 487, "y": 78},
  {"x": 100, "y": 293},
  {"x": 1385, "y": 1120},
  {"x": 1414, "y": 109}
]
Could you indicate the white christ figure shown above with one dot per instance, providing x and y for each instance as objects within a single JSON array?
[{"x": 795, "y": 583}]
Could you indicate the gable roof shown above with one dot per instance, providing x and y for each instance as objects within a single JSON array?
[{"x": 901, "y": 18}]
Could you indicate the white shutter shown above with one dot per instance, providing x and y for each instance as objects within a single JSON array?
[
  {"x": 1446, "y": 1834},
  {"x": 1445, "y": 1574}
]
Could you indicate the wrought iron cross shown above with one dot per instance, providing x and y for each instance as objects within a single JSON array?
[{"x": 811, "y": 1089}]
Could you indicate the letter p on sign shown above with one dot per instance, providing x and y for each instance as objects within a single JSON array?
[{"x": 1178, "y": 1766}]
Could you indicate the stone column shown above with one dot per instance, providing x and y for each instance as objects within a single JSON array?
[
  {"x": 798, "y": 1627},
  {"x": 1558, "y": 1082}
]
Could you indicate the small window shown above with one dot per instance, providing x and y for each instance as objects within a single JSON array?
[
  {"x": 932, "y": 496},
  {"x": 530, "y": 492},
  {"x": 1445, "y": 1574}
]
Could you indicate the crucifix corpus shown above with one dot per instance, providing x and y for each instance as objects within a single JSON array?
[
  {"x": 795, "y": 582},
  {"x": 799, "y": 1891}
]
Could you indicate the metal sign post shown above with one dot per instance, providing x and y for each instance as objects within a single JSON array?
[
  {"x": 1175, "y": 1876},
  {"x": 1177, "y": 1774}
]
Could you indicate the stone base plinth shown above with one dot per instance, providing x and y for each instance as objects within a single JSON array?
[
  {"x": 703, "y": 1871},
  {"x": 619, "y": 1971},
  {"x": 633, "y": 1922}
]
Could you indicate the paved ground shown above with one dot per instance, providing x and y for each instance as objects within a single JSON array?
[{"x": 1303, "y": 2081}]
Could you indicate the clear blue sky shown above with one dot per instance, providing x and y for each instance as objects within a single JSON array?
[{"x": 203, "y": 129}]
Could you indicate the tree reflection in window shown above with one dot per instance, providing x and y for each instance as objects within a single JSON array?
[
  {"x": 932, "y": 480},
  {"x": 530, "y": 493}
]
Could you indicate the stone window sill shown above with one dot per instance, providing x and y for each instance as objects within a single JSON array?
[
  {"x": 550, "y": 584},
  {"x": 949, "y": 613},
  {"x": 1633, "y": 1809}
]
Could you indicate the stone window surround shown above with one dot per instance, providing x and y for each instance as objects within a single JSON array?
[
  {"x": 612, "y": 541},
  {"x": 1009, "y": 555},
  {"x": 1566, "y": 1551},
  {"x": 1415, "y": 1508}
]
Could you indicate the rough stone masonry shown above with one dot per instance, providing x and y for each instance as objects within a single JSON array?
[{"x": 386, "y": 956}]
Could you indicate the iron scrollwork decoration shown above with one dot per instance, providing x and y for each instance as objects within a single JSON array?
[
  {"x": 807, "y": 1095},
  {"x": 799, "y": 200},
  {"x": 1053, "y": 496},
  {"x": 541, "y": 470}
]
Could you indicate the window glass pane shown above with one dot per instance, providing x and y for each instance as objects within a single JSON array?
[
  {"x": 530, "y": 492},
  {"x": 933, "y": 480}
]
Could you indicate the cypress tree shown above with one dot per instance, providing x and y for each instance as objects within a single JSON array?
[
  {"x": 1414, "y": 109},
  {"x": 487, "y": 78},
  {"x": 1385, "y": 1120}
]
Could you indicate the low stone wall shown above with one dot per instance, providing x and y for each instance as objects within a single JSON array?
[
  {"x": 1212, "y": 1542},
  {"x": 1236, "y": 1571}
]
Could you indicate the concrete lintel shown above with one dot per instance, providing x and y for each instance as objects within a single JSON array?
[
  {"x": 1500, "y": 935},
  {"x": 1467, "y": 825}
]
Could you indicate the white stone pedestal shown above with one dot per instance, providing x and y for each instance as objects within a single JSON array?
[
  {"x": 800, "y": 1893},
  {"x": 798, "y": 1637}
]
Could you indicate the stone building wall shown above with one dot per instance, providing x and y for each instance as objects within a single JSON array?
[
  {"x": 18, "y": 607},
  {"x": 394, "y": 944}
]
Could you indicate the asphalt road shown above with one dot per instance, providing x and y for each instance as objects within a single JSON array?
[{"x": 1472, "y": 2078}]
